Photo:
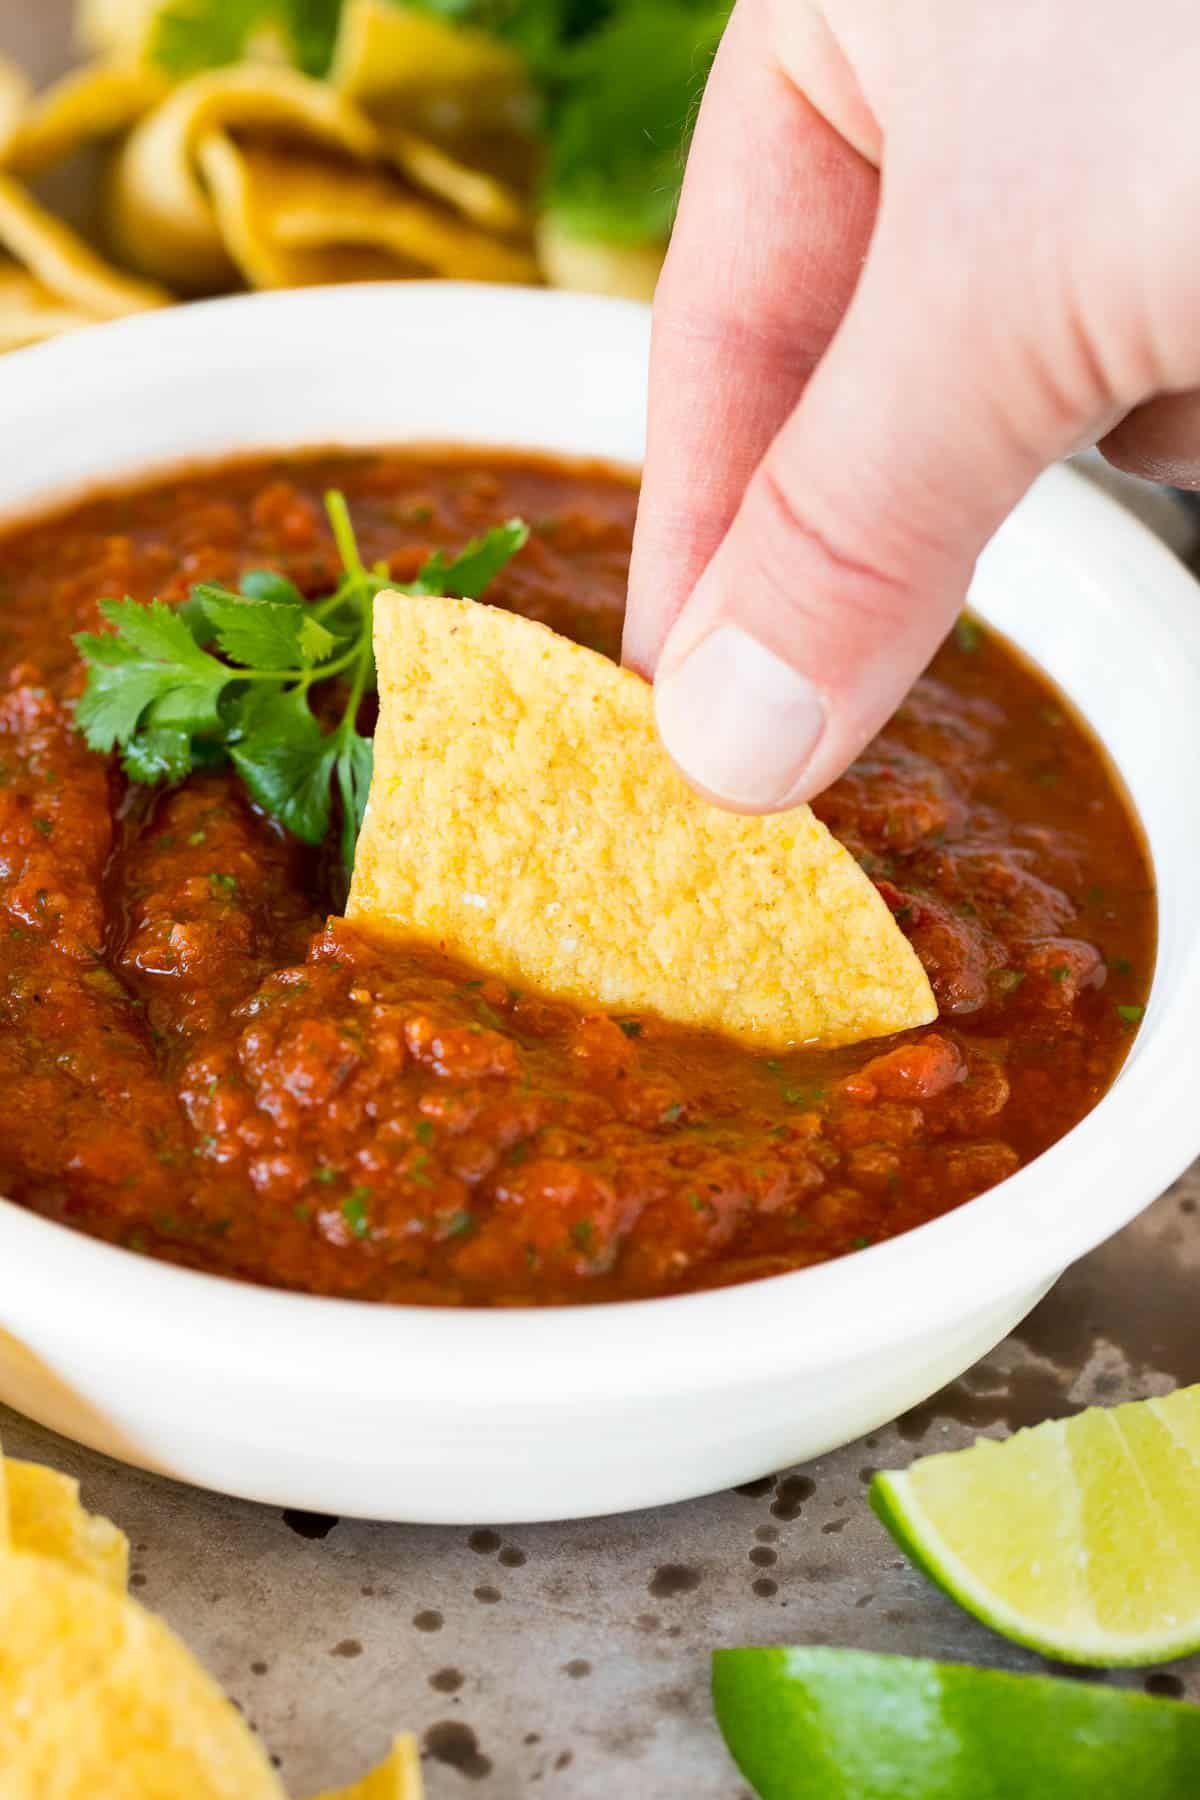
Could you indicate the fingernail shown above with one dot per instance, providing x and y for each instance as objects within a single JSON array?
[{"x": 740, "y": 722}]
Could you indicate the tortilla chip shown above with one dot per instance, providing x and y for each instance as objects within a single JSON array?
[
  {"x": 398, "y": 1777},
  {"x": 30, "y": 313},
  {"x": 40, "y": 1511},
  {"x": 54, "y": 281},
  {"x": 406, "y": 63},
  {"x": 14, "y": 96},
  {"x": 99, "y": 1698},
  {"x": 479, "y": 195},
  {"x": 115, "y": 27},
  {"x": 291, "y": 219},
  {"x": 587, "y": 266},
  {"x": 100, "y": 101},
  {"x": 525, "y": 817},
  {"x": 162, "y": 218}
]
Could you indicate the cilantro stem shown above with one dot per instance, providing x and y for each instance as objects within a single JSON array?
[
  {"x": 343, "y": 534},
  {"x": 364, "y": 654}
]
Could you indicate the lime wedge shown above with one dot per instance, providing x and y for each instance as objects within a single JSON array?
[
  {"x": 1079, "y": 1538},
  {"x": 841, "y": 1725}
]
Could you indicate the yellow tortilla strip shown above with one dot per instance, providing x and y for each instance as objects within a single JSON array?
[
  {"x": 14, "y": 97},
  {"x": 40, "y": 1511},
  {"x": 525, "y": 817},
  {"x": 115, "y": 27},
  {"x": 99, "y": 1698},
  {"x": 99, "y": 101},
  {"x": 162, "y": 217},
  {"x": 30, "y": 313},
  {"x": 58, "y": 280},
  {"x": 405, "y": 63},
  {"x": 587, "y": 266},
  {"x": 476, "y": 193},
  {"x": 289, "y": 219},
  {"x": 398, "y": 1777}
]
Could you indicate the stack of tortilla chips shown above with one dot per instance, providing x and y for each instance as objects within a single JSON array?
[
  {"x": 97, "y": 1696},
  {"x": 416, "y": 156}
]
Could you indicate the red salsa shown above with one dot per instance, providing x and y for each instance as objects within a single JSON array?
[{"x": 201, "y": 1061}]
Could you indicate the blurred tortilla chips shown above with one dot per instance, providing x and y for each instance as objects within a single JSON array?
[
  {"x": 524, "y": 816},
  {"x": 419, "y": 154},
  {"x": 50, "y": 280},
  {"x": 99, "y": 1700}
]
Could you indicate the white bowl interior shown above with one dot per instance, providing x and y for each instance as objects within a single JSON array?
[{"x": 1072, "y": 579}]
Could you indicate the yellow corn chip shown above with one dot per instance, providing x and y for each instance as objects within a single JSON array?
[
  {"x": 162, "y": 218},
  {"x": 588, "y": 266},
  {"x": 14, "y": 95},
  {"x": 290, "y": 219},
  {"x": 116, "y": 27},
  {"x": 405, "y": 63},
  {"x": 40, "y": 1511},
  {"x": 54, "y": 282},
  {"x": 477, "y": 194},
  {"x": 398, "y": 1777},
  {"x": 524, "y": 816},
  {"x": 30, "y": 313},
  {"x": 99, "y": 101},
  {"x": 100, "y": 1701}
]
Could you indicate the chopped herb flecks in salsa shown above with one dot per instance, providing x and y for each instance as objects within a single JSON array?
[{"x": 200, "y": 1060}]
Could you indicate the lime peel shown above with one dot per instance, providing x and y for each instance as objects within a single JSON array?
[
  {"x": 817, "y": 1724},
  {"x": 1079, "y": 1538}
]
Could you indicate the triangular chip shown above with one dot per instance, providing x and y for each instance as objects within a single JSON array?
[
  {"x": 398, "y": 1777},
  {"x": 162, "y": 218},
  {"x": 40, "y": 1511},
  {"x": 50, "y": 280},
  {"x": 290, "y": 217},
  {"x": 524, "y": 816},
  {"x": 98, "y": 101},
  {"x": 99, "y": 1698}
]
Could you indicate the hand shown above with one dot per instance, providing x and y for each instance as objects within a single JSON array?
[{"x": 855, "y": 378}]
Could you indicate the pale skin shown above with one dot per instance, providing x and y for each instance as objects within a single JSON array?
[{"x": 857, "y": 375}]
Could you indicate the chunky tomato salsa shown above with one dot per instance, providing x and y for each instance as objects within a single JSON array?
[{"x": 200, "y": 1061}]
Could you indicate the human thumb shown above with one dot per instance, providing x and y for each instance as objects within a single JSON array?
[{"x": 854, "y": 545}]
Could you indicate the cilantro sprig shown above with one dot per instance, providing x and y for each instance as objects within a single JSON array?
[{"x": 231, "y": 676}]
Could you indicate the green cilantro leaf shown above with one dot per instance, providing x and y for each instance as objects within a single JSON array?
[
  {"x": 317, "y": 643},
  {"x": 152, "y": 667},
  {"x": 153, "y": 756},
  {"x": 267, "y": 584},
  {"x": 264, "y": 634},
  {"x": 312, "y": 27},
  {"x": 189, "y": 35},
  {"x": 285, "y": 761},
  {"x": 621, "y": 114},
  {"x": 355, "y": 766},
  {"x": 475, "y": 568},
  {"x": 156, "y": 690}
]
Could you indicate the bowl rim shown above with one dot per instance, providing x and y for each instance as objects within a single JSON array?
[{"x": 1136, "y": 1140}]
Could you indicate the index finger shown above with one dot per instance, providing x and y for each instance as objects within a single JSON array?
[{"x": 773, "y": 227}]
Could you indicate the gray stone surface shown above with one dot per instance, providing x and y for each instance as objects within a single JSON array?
[{"x": 571, "y": 1660}]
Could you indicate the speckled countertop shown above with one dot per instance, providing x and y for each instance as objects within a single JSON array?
[{"x": 572, "y": 1660}]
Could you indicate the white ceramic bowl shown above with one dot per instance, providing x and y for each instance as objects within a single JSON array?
[{"x": 405, "y": 1413}]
